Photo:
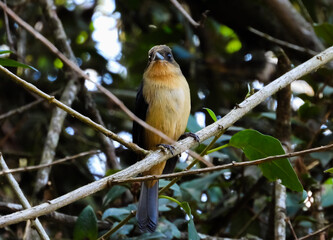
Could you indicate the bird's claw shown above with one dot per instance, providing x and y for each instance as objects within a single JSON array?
[
  {"x": 190, "y": 134},
  {"x": 166, "y": 147}
]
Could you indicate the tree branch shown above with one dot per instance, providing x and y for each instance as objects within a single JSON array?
[
  {"x": 72, "y": 112},
  {"x": 62, "y": 160},
  {"x": 158, "y": 156},
  {"x": 221, "y": 167},
  {"x": 185, "y": 14},
  {"x": 282, "y": 43},
  {"x": 316, "y": 232},
  {"x": 20, "y": 195},
  {"x": 67, "y": 97}
]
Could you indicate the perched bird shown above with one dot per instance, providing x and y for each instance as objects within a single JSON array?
[{"x": 163, "y": 101}]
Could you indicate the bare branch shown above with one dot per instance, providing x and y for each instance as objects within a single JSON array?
[
  {"x": 185, "y": 14},
  {"x": 62, "y": 160},
  {"x": 282, "y": 43},
  {"x": 158, "y": 156},
  {"x": 20, "y": 195},
  {"x": 316, "y": 232}
]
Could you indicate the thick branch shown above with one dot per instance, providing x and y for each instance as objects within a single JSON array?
[{"x": 158, "y": 156}]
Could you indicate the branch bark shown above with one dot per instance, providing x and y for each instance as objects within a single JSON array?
[
  {"x": 20, "y": 195},
  {"x": 67, "y": 97},
  {"x": 181, "y": 146},
  {"x": 299, "y": 28}
]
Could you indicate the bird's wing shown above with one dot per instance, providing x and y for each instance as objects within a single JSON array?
[{"x": 141, "y": 107}]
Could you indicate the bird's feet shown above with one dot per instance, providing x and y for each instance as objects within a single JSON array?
[
  {"x": 166, "y": 147},
  {"x": 189, "y": 134}
]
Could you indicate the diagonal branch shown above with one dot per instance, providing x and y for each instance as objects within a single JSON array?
[
  {"x": 158, "y": 156},
  {"x": 185, "y": 14},
  {"x": 22, "y": 198},
  {"x": 72, "y": 112}
]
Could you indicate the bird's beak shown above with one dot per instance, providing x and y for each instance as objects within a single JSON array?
[{"x": 158, "y": 56}]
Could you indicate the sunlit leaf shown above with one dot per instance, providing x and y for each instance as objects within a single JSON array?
[
  {"x": 58, "y": 63},
  {"x": 6, "y": 62},
  {"x": 256, "y": 145},
  {"x": 330, "y": 170},
  {"x": 211, "y": 114}
]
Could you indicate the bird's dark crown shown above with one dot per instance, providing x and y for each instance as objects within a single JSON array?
[{"x": 160, "y": 52}]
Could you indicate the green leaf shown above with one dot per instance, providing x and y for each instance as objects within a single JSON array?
[
  {"x": 256, "y": 145},
  {"x": 324, "y": 157},
  {"x": 169, "y": 229},
  {"x": 325, "y": 32},
  {"x": 117, "y": 213},
  {"x": 192, "y": 232},
  {"x": 86, "y": 225},
  {"x": 308, "y": 111},
  {"x": 175, "y": 187},
  {"x": 5, "y": 52},
  {"x": 123, "y": 231},
  {"x": 330, "y": 170},
  {"x": 12, "y": 63},
  {"x": 327, "y": 196},
  {"x": 194, "y": 189},
  {"x": 114, "y": 193},
  {"x": 211, "y": 114}
]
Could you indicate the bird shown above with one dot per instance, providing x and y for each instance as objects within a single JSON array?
[{"x": 163, "y": 101}]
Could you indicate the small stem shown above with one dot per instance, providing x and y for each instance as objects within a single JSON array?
[
  {"x": 218, "y": 148},
  {"x": 170, "y": 198},
  {"x": 121, "y": 223}
]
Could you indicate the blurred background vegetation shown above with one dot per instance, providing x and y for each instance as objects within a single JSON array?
[{"x": 222, "y": 59}]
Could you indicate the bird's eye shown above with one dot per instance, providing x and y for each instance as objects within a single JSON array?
[
  {"x": 149, "y": 58},
  {"x": 169, "y": 56}
]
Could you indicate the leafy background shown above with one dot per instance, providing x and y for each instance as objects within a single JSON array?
[{"x": 220, "y": 60}]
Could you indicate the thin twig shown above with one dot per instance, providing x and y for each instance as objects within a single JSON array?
[
  {"x": 317, "y": 232},
  {"x": 55, "y": 216},
  {"x": 157, "y": 156},
  {"x": 62, "y": 160},
  {"x": 185, "y": 14},
  {"x": 22, "y": 198},
  {"x": 9, "y": 35},
  {"x": 282, "y": 43},
  {"x": 291, "y": 228},
  {"x": 22, "y": 108},
  {"x": 248, "y": 223},
  {"x": 221, "y": 167},
  {"x": 119, "y": 225}
]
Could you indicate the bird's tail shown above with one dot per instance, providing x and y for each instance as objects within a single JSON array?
[{"x": 147, "y": 213}]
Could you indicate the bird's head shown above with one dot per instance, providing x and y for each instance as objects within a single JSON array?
[{"x": 161, "y": 62}]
